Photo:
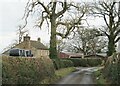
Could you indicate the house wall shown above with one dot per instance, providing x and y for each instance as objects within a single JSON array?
[
  {"x": 35, "y": 52},
  {"x": 26, "y": 44},
  {"x": 42, "y": 53}
]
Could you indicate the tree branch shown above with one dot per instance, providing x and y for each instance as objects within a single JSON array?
[
  {"x": 105, "y": 33},
  {"x": 106, "y": 21},
  {"x": 64, "y": 9},
  {"x": 45, "y": 8},
  {"x": 117, "y": 32},
  {"x": 117, "y": 39}
]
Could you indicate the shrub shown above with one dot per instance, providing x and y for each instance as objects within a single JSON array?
[
  {"x": 85, "y": 62},
  {"x": 94, "y": 62},
  {"x": 112, "y": 72},
  {"x": 112, "y": 69},
  {"x": 16, "y": 70},
  {"x": 62, "y": 63}
]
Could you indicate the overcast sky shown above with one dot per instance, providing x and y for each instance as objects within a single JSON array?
[{"x": 11, "y": 13}]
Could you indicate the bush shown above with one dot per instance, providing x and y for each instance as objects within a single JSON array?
[
  {"x": 76, "y": 62},
  {"x": 112, "y": 72},
  {"x": 112, "y": 69},
  {"x": 85, "y": 62},
  {"x": 16, "y": 70},
  {"x": 62, "y": 63}
]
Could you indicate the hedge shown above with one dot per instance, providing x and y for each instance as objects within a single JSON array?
[
  {"x": 85, "y": 62},
  {"x": 62, "y": 63},
  {"x": 112, "y": 69},
  {"x": 16, "y": 70}
]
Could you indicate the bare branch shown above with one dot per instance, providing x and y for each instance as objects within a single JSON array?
[
  {"x": 117, "y": 32},
  {"x": 106, "y": 21},
  {"x": 117, "y": 39},
  {"x": 105, "y": 33},
  {"x": 63, "y": 10},
  {"x": 45, "y": 8}
]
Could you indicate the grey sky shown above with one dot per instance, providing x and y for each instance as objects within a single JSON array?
[{"x": 11, "y": 13}]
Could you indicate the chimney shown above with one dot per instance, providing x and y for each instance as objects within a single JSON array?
[
  {"x": 27, "y": 42},
  {"x": 39, "y": 40},
  {"x": 26, "y": 38}
]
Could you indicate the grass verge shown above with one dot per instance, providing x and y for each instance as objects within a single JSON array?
[
  {"x": 58, "y": 75},
  {"x": 99, "y": 78}
]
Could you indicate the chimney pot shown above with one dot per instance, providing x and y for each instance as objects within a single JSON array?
[
  {"x": 26, "y": 38},
  {"x": 39, "y": 39}
]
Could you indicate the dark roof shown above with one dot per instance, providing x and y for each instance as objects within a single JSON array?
[{"x": 38, "y": 45}]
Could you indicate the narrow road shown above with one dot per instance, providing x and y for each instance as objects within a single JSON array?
[{"x": 82, "y": 76}]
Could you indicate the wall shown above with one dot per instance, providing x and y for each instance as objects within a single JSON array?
[{"x": 42, "y": 53}]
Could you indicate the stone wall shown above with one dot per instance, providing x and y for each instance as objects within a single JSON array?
[{"x": 42, "y": 53}]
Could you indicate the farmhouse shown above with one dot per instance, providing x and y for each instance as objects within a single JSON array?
[{"x": 37, "y": 48}]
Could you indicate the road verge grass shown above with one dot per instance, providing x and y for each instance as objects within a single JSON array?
[
  {"x": 99, "y": 78},
  {"x": 58, "y": 75}
]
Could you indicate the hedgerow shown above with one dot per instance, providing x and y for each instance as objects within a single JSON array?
[
  {"x": 62, "y": 63},
  {"x": 16, "y": 70},
  {"x": 112, "y": 69},
  {"x": 85, "y": 62}
]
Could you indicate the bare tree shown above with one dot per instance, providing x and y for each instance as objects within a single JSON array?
[
  {"x": 110, "y": 12},
  {"x": 20, "y": 33},
  {"x": 86, "y": 41},
  {"x": 55, "y": 14}
]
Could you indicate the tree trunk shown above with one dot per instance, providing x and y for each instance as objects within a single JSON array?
[
  {"x": 111, "y": 46},
  {"x": 53, "y": 49}
]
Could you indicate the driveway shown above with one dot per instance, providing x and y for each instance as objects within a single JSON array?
[{"x": 83, "y": 75}]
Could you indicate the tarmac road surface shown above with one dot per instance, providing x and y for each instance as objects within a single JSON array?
[{"x": 83, "y": 76}]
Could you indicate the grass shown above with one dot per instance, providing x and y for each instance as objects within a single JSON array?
[
  {"x": 99, "y": 78},
  {"x": 64, "y": 71},
  {"x": 58, "y": 75}
]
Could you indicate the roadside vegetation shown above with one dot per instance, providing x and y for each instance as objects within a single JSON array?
[
  {"x": 110, "y": 74},
  {"x": 85, "y": 62},
  {"x": 58, "y": 75},
  {"x": 112, "y": 69},
  {"x": 18, "y": 70},
  {"x": 41, "y": 70},
  {"x": 99, "y": 78}
]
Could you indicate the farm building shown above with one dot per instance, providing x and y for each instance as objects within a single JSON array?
[{"x": 70, "y": 55}]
